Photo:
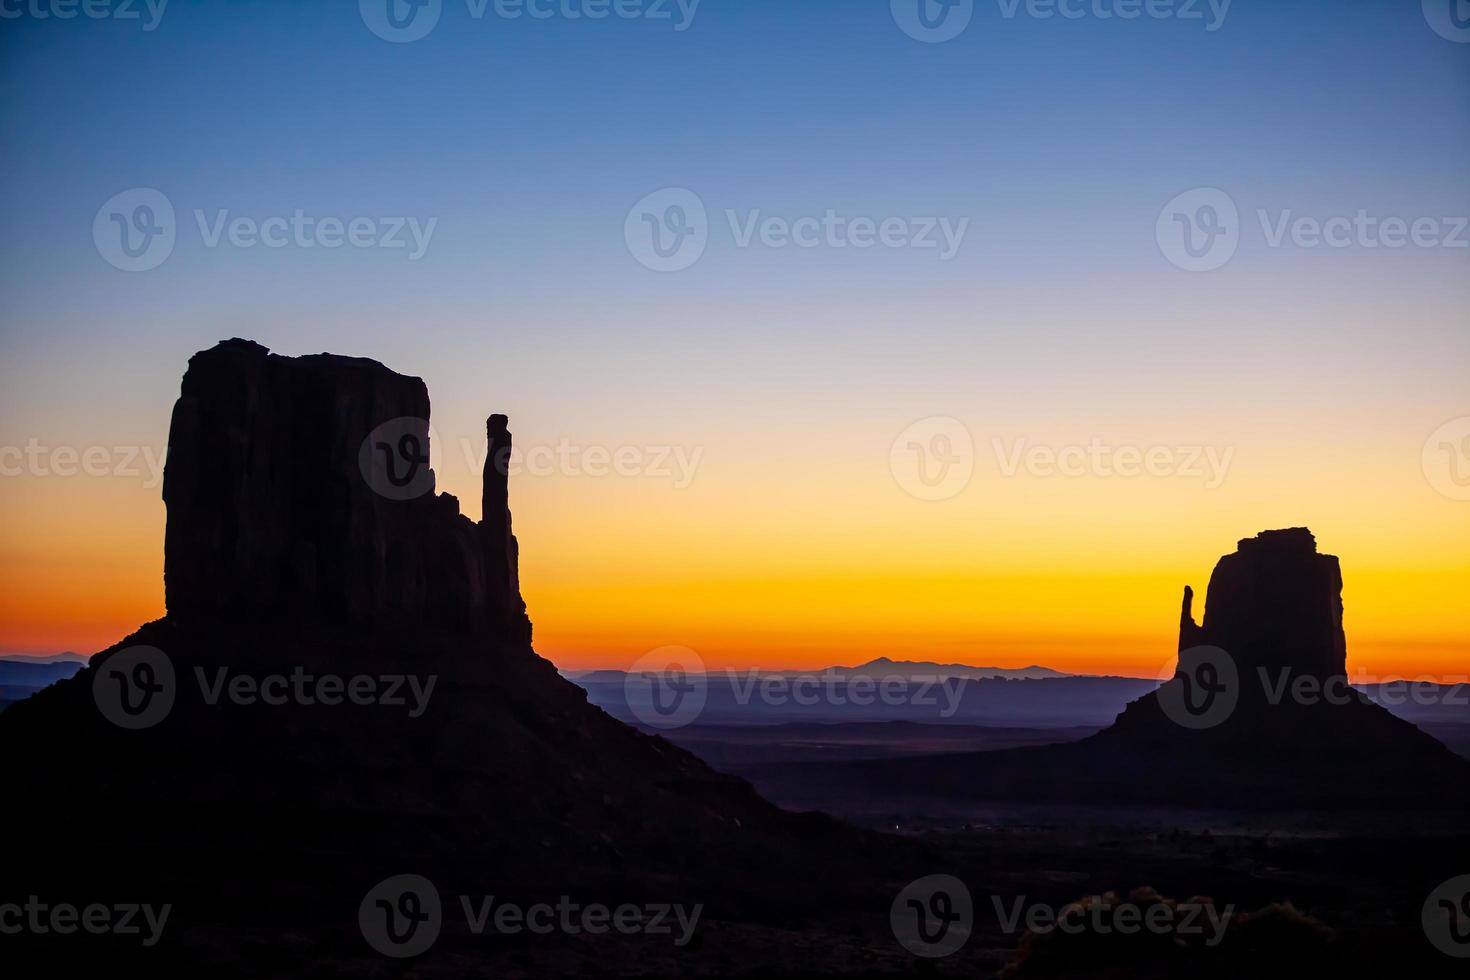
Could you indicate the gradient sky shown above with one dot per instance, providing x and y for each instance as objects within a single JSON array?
[{"x": 791, "y": 371}]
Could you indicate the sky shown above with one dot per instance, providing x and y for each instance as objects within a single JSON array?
[{"x": 974, "y": 342}]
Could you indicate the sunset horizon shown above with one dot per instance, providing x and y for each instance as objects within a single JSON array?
[{"x": 1004, "y": 605}]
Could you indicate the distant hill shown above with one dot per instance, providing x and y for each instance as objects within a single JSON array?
[
  {"x": 21, "y": 676},
  {"x": 879, "y": 668},
  {"x": 885, "y": 667},
  {"x": 69, "y": 657},
  {"x": 956, "y": 694},
  {"x": 36, "y": 672}
]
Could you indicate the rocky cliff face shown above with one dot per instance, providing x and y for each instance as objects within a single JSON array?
[
  {"x": 302, "y": 488},
  {"x": 1275, "y": 604}
]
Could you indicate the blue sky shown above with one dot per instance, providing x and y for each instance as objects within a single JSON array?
[{"x": 527, "y": 141}]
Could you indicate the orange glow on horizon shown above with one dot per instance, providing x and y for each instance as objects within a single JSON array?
[{"x": 772, "y": 560}]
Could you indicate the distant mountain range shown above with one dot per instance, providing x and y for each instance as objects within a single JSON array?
[
  {"x": 924, "y": 669},
  {"x": 880, "y": 668},
  {"x": 883, "y": 691},
  {"x": 22, "y": 676},
  {"x": 951, "y": 694},
  {"x": 50, "y": 658}
]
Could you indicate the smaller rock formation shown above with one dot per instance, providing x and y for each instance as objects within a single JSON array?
[
  {"x": 1273, "y": 619},
  {"x": 1259, "y": 714},
  {"x": 1287, "y": 729}
]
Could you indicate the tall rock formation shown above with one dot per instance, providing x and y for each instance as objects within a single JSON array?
[
  {"x": 301, "y": 487},
  {"x": 1273, "y": 647},
  {"x": 502, "y": 552},
  {"x": 1275, "y": 604}
]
